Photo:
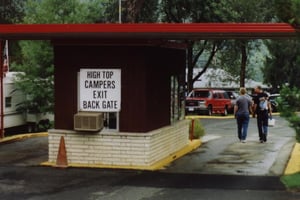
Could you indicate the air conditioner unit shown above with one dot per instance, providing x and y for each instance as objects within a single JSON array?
[{"x": 88, "y": 121}]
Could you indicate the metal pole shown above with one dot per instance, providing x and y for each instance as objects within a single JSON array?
[
  {"x": 120, "y": 11},
  {"x": 1, "y": 90},
  {"x": 192, "y": 130}
]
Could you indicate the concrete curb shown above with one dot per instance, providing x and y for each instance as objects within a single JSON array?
[
  {"x": 217, "y": 116},
  {"x": 293, "y": 165},
  {"x": 19, "y": 137}
]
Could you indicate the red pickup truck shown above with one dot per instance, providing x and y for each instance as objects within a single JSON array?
[{"x": 208, "y": 101}]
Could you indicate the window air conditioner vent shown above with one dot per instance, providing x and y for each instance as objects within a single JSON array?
[{"x": 88, "y": 121}]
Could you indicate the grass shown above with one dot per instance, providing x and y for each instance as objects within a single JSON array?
[{"x": 292, "y": 181}]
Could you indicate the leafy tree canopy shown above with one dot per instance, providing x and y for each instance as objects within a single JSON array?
[
  {"x": 283, "y": 64},
  {"x": 180, "y": 11},
  {"x": 67, "y": 11},
  {"x": 137, "y": 11},
  {"x": 11, "y": 11}
]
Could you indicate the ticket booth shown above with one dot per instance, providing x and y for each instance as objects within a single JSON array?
[{"x": 130, "y": 87}]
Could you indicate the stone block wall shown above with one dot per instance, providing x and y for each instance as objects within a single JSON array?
[{"x": 119, "y": 148}]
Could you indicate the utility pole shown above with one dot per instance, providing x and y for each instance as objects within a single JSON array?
[
  {"x": 1, "y": 90},
  {"x": 120, "y": 11}
]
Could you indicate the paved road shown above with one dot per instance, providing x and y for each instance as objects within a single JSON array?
[
  {"x": 43, "y": 183},
  {"x": 222, "y": 153},
  {"x": 208, "y": 173}
]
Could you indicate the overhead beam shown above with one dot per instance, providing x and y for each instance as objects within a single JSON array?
[{"x": 174, "y": 31}]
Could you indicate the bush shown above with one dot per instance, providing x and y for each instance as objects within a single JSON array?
[
  {"x": 288, "y": 106},
  {"x": 198, "y": 130}
]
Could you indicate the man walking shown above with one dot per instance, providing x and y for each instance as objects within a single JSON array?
[
  {"x": 242, "y": 110},
  {"x": 262, "y": 109}
]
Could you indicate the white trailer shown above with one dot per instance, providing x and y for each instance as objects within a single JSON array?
[
  {"x": 11, "y": 99},
  {"x": 15, "y": 120}
]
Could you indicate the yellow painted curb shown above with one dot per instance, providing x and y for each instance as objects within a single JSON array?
[
  {"x": 293, "y": 165},
  {"x": 217, "y": 116},
  {"x": 208, "y": 117},
  {"x": 22, "y": 136},
  {"x": 159, "y": 165}
]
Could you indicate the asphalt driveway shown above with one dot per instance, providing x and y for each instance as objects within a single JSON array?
[{"x": 222, "y": 152}]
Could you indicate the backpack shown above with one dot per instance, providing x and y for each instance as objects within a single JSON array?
[{"x": 263, "y": 104}]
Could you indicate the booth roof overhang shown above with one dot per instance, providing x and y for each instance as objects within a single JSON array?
[{"x": 154, "y": 31}]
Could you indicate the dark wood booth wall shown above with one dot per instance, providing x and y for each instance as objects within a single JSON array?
[{"x": 145, "y": 82}]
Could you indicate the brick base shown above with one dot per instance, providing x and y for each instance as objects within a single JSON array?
[{"x": 121, "y": 149}]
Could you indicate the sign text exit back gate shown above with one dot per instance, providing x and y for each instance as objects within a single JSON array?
[{"x": 100, "y": 90}]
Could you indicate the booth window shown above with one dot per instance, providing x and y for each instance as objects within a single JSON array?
[
  {"x": 8, "y": 101},
  {"x": 177, "y": 99},
  {"x": 111, "y": 120}
]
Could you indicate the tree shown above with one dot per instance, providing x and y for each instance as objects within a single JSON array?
[
  {"x": 132, "y": 11},
  {"x": 242, "y": 11},
  {"x": 283, "y": 65},
  {"x": 37, "y": 81},
  {"x": 283, "y": 68},
  {"x": 218, "y": 11},
  {"x": 194, "y": 11},
  {"x": 134, "y": 8},
  {"x": 288, "y": 11},
  {"x": 67, "y": 11},
  {"x": 11, "y": 11},
  {"x": 289, "y": 105}
]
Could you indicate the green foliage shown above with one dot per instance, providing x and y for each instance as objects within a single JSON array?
[
  {"x": 37, "y": 58},
  {"x": 239, "y": 57},
  {"x": 292, "y": 181},
  {"x": 198, "y": 129},
  {"x": 44, "y": 125},
  {"x": 230, "y": 57},
  {"x": 179, "y": 11},
  {"x": 39, "y": 92},
  {"x": 67, "y": 11},
  {"x": 11, "y": 11},
  {"x": 296, "y": 12},
  {"x": 189, "y": 11},
  {"x": 283, "y": 66},
  {"x": 37, "y": 81},
  {"x": 246, "y": 11},
  {"x": 289, "y": 104},
  {"x": 288, "y": 11},
  {"x": 149, "y": 12}
]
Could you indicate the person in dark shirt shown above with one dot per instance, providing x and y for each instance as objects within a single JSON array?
[
  {"x": 242, "y": 111},
  {"x": 262, "y": 110}
]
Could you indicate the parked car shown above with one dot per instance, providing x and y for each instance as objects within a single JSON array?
[
  {"x": 273, "y": 98},
  {"x": 208, "y": 101},
  {"x": 232, "y": 96}
]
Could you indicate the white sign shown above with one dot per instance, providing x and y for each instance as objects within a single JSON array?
[{"x": 100, "y": 90}]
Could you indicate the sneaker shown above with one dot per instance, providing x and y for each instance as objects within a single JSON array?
[
  {"x": 261, "y": 141},
  {"x": 243, "y": 141}
]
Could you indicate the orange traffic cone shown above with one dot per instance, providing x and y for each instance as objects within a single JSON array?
[{"x": 61, "y": 160}]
